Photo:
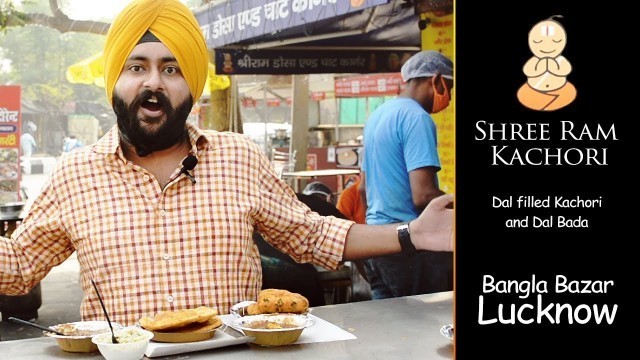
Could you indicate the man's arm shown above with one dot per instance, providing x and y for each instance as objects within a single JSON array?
[
  {"x": 432, "y": 230},
  {"x": 424, "y": 186}
]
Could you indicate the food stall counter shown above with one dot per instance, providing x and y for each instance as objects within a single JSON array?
[{"x": 399, "y": 328}]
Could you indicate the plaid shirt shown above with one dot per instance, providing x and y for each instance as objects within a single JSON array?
[{"x": 151, "y": 249}]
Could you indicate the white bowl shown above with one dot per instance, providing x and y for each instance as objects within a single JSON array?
[{"x": 125, "y": 349}]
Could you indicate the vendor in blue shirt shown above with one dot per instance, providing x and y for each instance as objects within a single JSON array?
[{"x": 400, "y": 168}]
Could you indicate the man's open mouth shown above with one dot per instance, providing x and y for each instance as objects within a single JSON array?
[{"x": 152, "y": 104}]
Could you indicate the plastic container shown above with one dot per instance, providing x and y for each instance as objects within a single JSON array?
[{"x": 125, "y": 349}]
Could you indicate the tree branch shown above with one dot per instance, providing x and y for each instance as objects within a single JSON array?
[
  {"x": 55, "y": 8},
  {"x": 63, "y": 24},
  {"x": 58, "y": 21}
]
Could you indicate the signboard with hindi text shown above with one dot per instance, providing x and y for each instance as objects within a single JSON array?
[
  {"x": 236, "y": 20},
  {"x": 369, "y": 85},
  {"x": 236, "y": 61},
  {"x": 9, "y": 143}
]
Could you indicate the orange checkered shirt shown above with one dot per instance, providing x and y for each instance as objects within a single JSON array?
[{"x": 151, "y": 249}]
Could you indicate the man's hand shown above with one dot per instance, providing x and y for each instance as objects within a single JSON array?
[{"x": 433, "y": 229}]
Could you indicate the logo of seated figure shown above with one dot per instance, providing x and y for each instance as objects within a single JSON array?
[{"x": 547, "y": 87}]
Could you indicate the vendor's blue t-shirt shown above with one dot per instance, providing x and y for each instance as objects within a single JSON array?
[{"x": 399, "y": 137}]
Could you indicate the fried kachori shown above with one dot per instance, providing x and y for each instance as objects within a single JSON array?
[
  {"x": 211, "y": 324},
  {"x": 171, "y": 320},
  {"x": 271, "y": 301},
  {"x": 185, "y": 325}
]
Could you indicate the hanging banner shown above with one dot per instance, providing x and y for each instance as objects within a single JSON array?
[
  {"x": 9, "y": 144},
  {"x": 273, "y": 102},
  {"x": 318, "y": 95},
  {"x": 248, "y": 102},
  {"x": 233, "y": 21},
  {"x": 389, "y": 84}
]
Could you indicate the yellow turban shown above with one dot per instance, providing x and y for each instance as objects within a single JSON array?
[{"x": 171, "y": 22}]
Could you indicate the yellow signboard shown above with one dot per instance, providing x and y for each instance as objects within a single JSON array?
[{"x": 439, "y": 36}]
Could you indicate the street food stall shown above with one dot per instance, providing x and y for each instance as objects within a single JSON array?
[{"x": 315, "y": 37}]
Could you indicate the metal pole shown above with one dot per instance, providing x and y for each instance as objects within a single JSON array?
[{"x": 266, "y": 115}]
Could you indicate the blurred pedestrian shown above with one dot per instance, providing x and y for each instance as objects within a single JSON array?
[
  {"x": 350, "y": 203},
  {"x": 70, "y": 143},
  {"x": 28, "y": 146}
]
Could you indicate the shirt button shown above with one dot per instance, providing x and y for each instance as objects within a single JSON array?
[
  {"x": 163, "y": 213},
  {"x": 166, "y": 256},
  {"x": 146, "y": 178},
  {"x": 170, "y": 298}
]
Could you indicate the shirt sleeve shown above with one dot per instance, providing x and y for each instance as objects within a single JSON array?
[
  {"x": 36, "y": 246},
  {"x": 420, "y": 139},
  {"x": 289, "y": 225}
]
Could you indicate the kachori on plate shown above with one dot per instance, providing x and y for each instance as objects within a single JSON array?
[{"x": 187, "y": 325}]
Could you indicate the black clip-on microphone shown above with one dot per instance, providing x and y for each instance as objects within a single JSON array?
[{"x": 188, "y": 164}]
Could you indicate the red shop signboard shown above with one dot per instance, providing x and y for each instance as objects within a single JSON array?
[{"x": 10, "y": 120}]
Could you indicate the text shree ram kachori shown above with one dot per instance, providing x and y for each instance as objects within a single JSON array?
[{"x": 507, "y": 155}]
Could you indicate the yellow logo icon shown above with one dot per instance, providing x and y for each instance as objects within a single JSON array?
[{"x": 547, "y": 87}]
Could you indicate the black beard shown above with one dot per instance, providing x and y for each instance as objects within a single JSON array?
[{"x": 170, "y": 133}]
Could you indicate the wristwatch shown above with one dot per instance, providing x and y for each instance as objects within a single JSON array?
[{"x": 404, "y": 237}]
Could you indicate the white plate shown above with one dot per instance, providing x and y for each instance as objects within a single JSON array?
[
  {"x": 347, "y": 157},
  {"x": 223, "y": 336}
]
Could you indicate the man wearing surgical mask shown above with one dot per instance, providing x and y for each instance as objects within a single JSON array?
[{"x": 400, "y": 168}]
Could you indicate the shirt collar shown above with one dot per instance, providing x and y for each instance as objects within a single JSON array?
[{"x": 110, "y": 142}]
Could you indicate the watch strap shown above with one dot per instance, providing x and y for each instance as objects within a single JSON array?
[{"x": 404, "y": 237}]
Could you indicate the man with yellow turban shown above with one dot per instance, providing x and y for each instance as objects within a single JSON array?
[
  {"x": 142, "y": 25},
  {"x": 161, "y": 213}
]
